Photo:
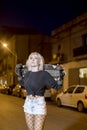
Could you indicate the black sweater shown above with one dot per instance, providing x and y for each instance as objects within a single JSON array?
[{"x": 36, "y": 82}]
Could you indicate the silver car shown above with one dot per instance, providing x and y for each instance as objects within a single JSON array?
[{"x": 19, "y": 91}]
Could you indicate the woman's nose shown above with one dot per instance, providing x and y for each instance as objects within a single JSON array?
[{"x": 32, "y": 59}]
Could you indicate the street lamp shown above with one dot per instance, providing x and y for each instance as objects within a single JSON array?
[
  {"x": 11, "y": 79},
  {"x": 13, "y": 53}
]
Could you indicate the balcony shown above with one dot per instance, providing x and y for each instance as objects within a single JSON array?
[{"x": 80, "y": 52}]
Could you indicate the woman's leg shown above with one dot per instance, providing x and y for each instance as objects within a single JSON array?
[
  {"x": 39, "y": 121},
  {"x": 30, "y": 121}
]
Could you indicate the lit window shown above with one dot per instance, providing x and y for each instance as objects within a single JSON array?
[{"x": 83, "y": 73}]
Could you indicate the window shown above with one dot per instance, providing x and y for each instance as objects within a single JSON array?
[
  {"x": 79, "y": 90},
  {"x": 84, "y": 39},
  {"x": 83, "y": 76},
  {"x": 83, "y": 73}
]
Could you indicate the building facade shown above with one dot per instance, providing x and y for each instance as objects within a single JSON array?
[
  {"x": 70, "y": 49},
  {"x": 20, "y": 44}
]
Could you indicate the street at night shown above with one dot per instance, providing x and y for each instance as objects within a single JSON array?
[
  {"x": 36, "y": 37},
  {"x": 12, "y": 116}
]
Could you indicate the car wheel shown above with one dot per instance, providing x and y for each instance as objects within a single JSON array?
[
  {"x": 58, "y": 102},
  {"x": 80, "y": 106}
]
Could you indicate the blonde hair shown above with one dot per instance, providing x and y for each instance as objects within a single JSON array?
[{"x": 41, "y": 61}]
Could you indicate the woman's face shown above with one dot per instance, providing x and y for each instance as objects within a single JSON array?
[{"x": 34, "y": 60}]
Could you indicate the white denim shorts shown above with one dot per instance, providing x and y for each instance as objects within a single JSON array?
[{"x": 35, "y": 105}]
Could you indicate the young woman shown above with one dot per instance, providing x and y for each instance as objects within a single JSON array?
[{"x": 35, "y": 81}]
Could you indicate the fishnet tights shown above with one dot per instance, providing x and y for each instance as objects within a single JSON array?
[{"x": 35, "y": 122}]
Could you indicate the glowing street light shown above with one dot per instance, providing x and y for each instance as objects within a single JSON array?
[
  {"x": 5, "y": 45},
  {"x": 13, "y": 53}
]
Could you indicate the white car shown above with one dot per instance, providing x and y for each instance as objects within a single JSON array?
[
  {"x": 47, "y": 94},
  {"x": 75, "y": 96}
]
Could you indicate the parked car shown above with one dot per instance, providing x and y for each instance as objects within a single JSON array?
[
  {"x": 47, "y": 94},
  {"x": 11, "y": 88},
  {"x": 75, "y": 96},
  {"x": 4, "y": 89},
  {"x": 16, "y": 90},
  {"x": 23, "y": 92},
  {"x": 19, "y": 91}
]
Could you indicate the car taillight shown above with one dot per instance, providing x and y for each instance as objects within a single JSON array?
[{"x": 86, "y": 96}]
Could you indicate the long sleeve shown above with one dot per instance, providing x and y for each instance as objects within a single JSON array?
[{"x": 52, "y": 83}]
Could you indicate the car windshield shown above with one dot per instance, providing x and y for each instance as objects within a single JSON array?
[{"x": 70, "y": 90}]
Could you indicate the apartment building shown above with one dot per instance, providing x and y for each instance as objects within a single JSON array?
[{"x": 70, "y": 49}]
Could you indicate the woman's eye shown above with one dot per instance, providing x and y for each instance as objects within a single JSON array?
[
  {"x": 30, "y": 58},
  {"x": 36, "y": 58}
]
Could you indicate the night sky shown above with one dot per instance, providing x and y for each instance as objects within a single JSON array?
[{"x": 43, "y": 16}]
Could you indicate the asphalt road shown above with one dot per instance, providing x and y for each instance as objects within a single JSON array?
[{"x": 12, "y": 116}]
